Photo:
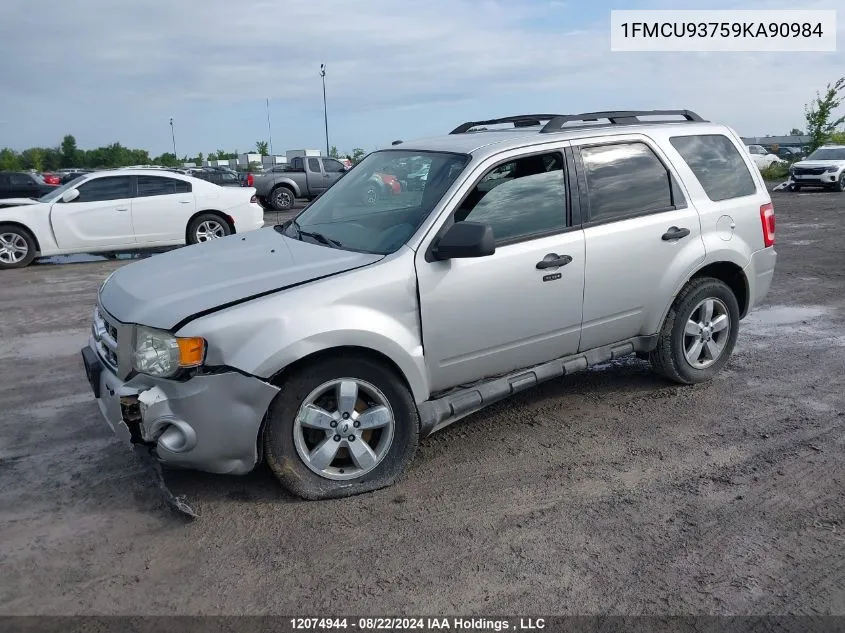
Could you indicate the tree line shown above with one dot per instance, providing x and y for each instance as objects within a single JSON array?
[
  {"x": 68, "y": 155},
  {"x": 823, "y": 126}
]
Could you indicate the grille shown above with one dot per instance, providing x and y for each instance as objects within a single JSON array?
[
  {"x": 105, "y": 334},
  {"x": 808, "y": 171}
]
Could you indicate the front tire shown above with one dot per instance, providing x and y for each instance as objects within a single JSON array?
[
  {"x": 206, "y": 227},
  {"x": 699, "y": 333},
  {"x": 17, "y": 247},
  {"x": 340, "y": 427},
  {"x": 840, "y": 184}
]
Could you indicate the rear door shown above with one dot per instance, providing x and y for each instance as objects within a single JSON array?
[
  {"x": 99, "y": 218},
  {"x": 641, "y": 236},
  {"x": 161, "y": 209},
  {"x": 4, "y": 186}
]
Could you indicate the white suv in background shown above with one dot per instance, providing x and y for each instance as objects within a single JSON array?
[{"x": 823, "y": 168}]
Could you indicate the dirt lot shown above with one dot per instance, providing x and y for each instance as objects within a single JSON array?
[{"x": 607, "y": 492}]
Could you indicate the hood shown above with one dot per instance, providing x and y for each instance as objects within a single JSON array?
[
  {"x": 819, "y": 163},
  {"x": 165, "y": 290}
]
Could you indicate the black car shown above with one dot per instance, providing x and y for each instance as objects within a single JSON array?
[{"x": 22, "y": 184}]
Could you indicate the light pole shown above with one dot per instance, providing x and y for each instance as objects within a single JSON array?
[
  {"x": 173, "y": 136},
  {"x": 269, "y": 129},
  {"x": 325, "y": 109}
]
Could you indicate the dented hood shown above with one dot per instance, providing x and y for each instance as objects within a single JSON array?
[{"x": 167, "y": 289}]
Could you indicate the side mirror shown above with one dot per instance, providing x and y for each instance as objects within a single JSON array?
[
  {"x": 466, "y": 239},
  {"x": 70, "y": 195}
]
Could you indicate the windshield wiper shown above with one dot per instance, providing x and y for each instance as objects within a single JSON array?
[{"x": 314, "y": 236}]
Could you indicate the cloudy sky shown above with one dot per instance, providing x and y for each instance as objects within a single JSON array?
[{"x": 117, "y": 70}]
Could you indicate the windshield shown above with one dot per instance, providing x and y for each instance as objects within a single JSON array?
[
  {"x": 57, "y": 193},
  {"x": 375, "y": 207},
  {"x": 828, "y": 153}
]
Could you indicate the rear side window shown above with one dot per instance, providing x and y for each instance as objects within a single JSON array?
[
  {"x": 626, "y": 180},
  {"x": 21, "y": 179},
  {"x": 158, "y": 186},
  {"x": 717, "y": 164},
  {"x": 314, "y": 164}
]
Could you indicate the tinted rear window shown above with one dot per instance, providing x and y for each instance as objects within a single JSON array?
[{"x": 717, "y": 164}]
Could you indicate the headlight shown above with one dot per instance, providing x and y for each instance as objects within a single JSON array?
[
  {"x": 161, "y": 354},
  {"x": 832, "y": 170}
]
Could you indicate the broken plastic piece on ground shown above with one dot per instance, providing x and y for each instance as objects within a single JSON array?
[
  {"x": 781, "y": 186},
  {"x": 176, "y": 502}
]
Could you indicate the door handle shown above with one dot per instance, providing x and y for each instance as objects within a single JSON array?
[
  {"x": 184, "y": 202},
  {"x": 122, "y": 209},
  {"x": 674, "y": 233},
  {"x": 553, "y": 260}
]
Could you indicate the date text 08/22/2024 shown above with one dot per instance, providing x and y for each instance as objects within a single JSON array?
[{"x": 419, "y": 624}]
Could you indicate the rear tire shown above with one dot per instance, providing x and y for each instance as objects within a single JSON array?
[
  {"x": 206, "y": 227},
  {"x": 17, "y": 247},
  {"x": 699, "y": 333},
  {"x": 313, "y": 394},
  {"x": 282, "y": 198}
]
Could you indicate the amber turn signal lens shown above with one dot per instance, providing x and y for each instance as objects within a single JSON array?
[{"x": 191, "y": 351}]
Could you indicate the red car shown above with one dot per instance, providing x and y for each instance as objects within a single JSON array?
[
  {"x": 391, "y": 183},
  {"x": 51, "y": 179}
]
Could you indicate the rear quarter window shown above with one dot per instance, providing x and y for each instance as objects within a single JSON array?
[{"x": 717, "y": 164}]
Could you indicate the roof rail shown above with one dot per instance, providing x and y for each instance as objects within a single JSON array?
[
  {"x": 520, "y": 120},
  {"x": 619, "y": 117}
]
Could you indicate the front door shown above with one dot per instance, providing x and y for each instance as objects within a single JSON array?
[
  {"x": 99, "y": 218},
  {"x": 491, "y": 315},
  {"x": 333, "y": 170},
  {"x": 641, "y": 235}
]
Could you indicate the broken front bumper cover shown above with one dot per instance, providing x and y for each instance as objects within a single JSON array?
[{"x": 208, "y": 422}]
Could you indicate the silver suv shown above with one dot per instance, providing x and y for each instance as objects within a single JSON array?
[{"x": 328, "y": 346}]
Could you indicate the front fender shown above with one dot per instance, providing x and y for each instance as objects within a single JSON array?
[{"x": 374, "y": 307}]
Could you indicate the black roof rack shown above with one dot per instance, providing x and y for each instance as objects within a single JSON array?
[
  {"x": 620, "y": 117},
  {"x": 555, "y": 122},
  {"x": 520, "y": 120}
]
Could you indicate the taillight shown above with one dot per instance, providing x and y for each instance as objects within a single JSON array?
[
  {"x": 767, "y": 218},
  {"x": 250, "y": 180}
]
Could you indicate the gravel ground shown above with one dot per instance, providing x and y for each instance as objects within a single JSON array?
[{"x": 605, "y": 492}]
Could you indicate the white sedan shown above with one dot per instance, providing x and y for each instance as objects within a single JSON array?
[{"x": 125, "y": 209}]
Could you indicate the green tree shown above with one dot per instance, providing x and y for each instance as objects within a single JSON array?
[
  {"x": 168, "y": 159},
  {"x": 32, "y": 158},
  {"x": 795, "y": 132},
  {"x": 200, "y": 158},
  {"x": 819, "y": 114},
  {"x": 261, "y": 147},
  {"x": 333, "y": 153},
  {"x": 838, "y": 137},
  {"x": 9, "y": 160},
  {"x": 70, "y": 153},
  {"x": 357, "y": 155}
]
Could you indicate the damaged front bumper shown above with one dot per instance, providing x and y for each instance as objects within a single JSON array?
[{"x": 209, "y": 422}]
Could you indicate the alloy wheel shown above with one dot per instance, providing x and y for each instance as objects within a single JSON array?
[
  {"x": 344, "y": 428},
  {"x": 13, "y": 248},
  {"x": 210, "y": 230},
  {"x": 706, "y": 333}
]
